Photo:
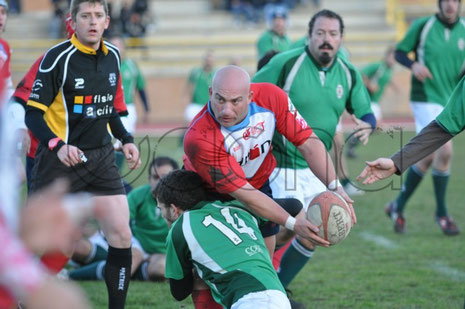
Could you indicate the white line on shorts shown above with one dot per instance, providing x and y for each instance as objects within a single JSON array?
[
  {"x": 378, "y": 240},
  {"x": 450, "y": 272}
]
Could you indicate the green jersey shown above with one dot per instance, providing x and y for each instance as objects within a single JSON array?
[
  {"x": 269, "y": 40},
  {"x": 200, "y": 82},
  {"x": 319, "y": 94},
  {"x": 441, "y": 49},
  {"x": 146, "y": 222},
  {"x": 380, "y": 74},
  {"x": 132, "y": 79},
  {"x": 452, "y": 118},
  {"x": 222, "y": 241}
]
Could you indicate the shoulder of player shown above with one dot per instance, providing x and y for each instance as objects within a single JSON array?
[
  {"x": 55, "y": 55},
  {"x": 139, "y": 192},
  {"x": 287, "y": 56},
  {"x": 421, "y": 22},
  {"x": 5, "y": 44},
  {"x": 112, "y": 48},
  {"x": 347, "y": 65},
  {"x": 262, "y": 88},
  {"x": 203, "y": 129}
]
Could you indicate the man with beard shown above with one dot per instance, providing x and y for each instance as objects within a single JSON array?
[
  {"x": 439, "y": 47},
  {"x": 321, "y": 85}
]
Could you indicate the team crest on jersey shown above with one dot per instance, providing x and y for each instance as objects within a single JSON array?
[
  {"x": 254, "y": 131},
  {"x": 461, "y": 44},
  {"x": 112, "y": 79},
  {"x": 37, "y": 85},
  {"x": 339, "y": 91}
]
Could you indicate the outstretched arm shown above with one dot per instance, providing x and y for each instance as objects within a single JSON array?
[{"x": 426, "y": 142}]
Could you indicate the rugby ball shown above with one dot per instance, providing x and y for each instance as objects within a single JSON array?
[{"x": 330, "y": 212}]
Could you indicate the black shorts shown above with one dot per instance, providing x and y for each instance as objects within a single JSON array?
[{"x": 99, "y": 175}]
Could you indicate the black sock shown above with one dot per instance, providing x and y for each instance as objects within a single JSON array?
[{"x": 117, "y": 275}]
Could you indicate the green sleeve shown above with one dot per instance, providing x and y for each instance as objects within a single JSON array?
[
  {"x": 370, "y": 69},
  {"x": 178, "y": 262},
  {"x": 452, "y": 118},
  {"x": 269, "y": 73},
  {"x": 411, "y": 38},
  {"x": 264, "y": 44},
  {"x": 133, "y": 202},
  {"x": 359, "y": 102}
]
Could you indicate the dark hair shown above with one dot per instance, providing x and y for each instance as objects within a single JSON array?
[
  {"x": 327, "y": 14},
  {"x": 74, "y": 7},
  {"x": 160, "y": 161},
  {"x": 265, "y": 59},
  {"x": 182, "y": 188}
]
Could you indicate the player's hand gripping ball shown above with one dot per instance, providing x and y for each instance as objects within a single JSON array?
[{"x": 331, "y": 214}]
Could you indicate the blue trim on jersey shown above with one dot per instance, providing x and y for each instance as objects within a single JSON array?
[{"x": 371, "y": 119}]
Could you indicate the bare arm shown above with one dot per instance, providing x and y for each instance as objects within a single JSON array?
[{"x": 267, "y": 208}]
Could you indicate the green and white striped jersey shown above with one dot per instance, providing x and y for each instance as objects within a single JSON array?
[
  {"x": 319, "y": 94},
  {"x": 452, "y": 118},
  {"x": 222, "y": 241},
  {"x": 441, "y": 48}
]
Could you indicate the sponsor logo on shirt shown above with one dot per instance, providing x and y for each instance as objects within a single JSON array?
[
  {"x": 37, "y": 85},
  {"x": 93, "y": 106},
  {"x": 79, "y": 83},
  {"x": 256, "y": 152},
  {"x": 252, "y": 250},
  {"x": 339, "y": 91},
  {"x": 254, "y": 131},
  {"x": 112, "y": 79}
]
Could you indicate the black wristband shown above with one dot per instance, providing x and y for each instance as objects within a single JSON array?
[
  {"x": 58, "y": 146},
  {"x": 126, "y": 139}
]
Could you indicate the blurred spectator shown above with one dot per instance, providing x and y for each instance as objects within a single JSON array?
[
  {"x": 57, "y": 29},
  {"x": 243, "y": 12},
  {"x": 275, "y": 38},
  {"x": 200, "y": 79},
  {"x": 134, "y": 18},
  {"x": 15, "y": 6}
]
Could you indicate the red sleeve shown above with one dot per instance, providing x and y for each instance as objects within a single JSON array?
[
  {"x": 119, "y": 103},
  {"x": 205, "y": 154},
  {"x": 288, "y": 120},
  {"x": 5, "y": 59},
  {"x": 23, "y": 90}
]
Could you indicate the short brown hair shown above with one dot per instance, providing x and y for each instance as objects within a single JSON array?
[{"x": 74, "y": 7}]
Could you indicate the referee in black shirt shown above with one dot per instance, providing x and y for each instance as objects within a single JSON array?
[{"x": 70, "y": 107}]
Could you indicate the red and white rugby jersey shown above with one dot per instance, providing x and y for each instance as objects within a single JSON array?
[{"x": 228, "y": 158}]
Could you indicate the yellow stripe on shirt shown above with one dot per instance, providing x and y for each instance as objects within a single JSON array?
[{"x": 38, "y": 105}]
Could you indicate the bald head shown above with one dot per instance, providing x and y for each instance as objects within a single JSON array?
[
  {"x": 230, "y": 77},
  {"x": 230, "y": 95}
]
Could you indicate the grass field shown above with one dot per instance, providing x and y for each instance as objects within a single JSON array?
[{"x": 373, "y": 267}]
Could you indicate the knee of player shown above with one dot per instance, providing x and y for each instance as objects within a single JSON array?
[
  {"x": 156, "y": 267},
  {"x": 120, "y": 236}
]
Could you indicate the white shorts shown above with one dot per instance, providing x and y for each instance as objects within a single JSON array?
[
  {"x": 98, "y": 239},
  {"x": 191, "y": 111},
  {"x": 376, "y": 110},
  {"x": 301, "y": 184},
  {"x": 130, "y": 120},
  {"x": 424, "y": 113},
  {"x": 269, "y": 299},
  {"x": 339, "y": 125}
]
